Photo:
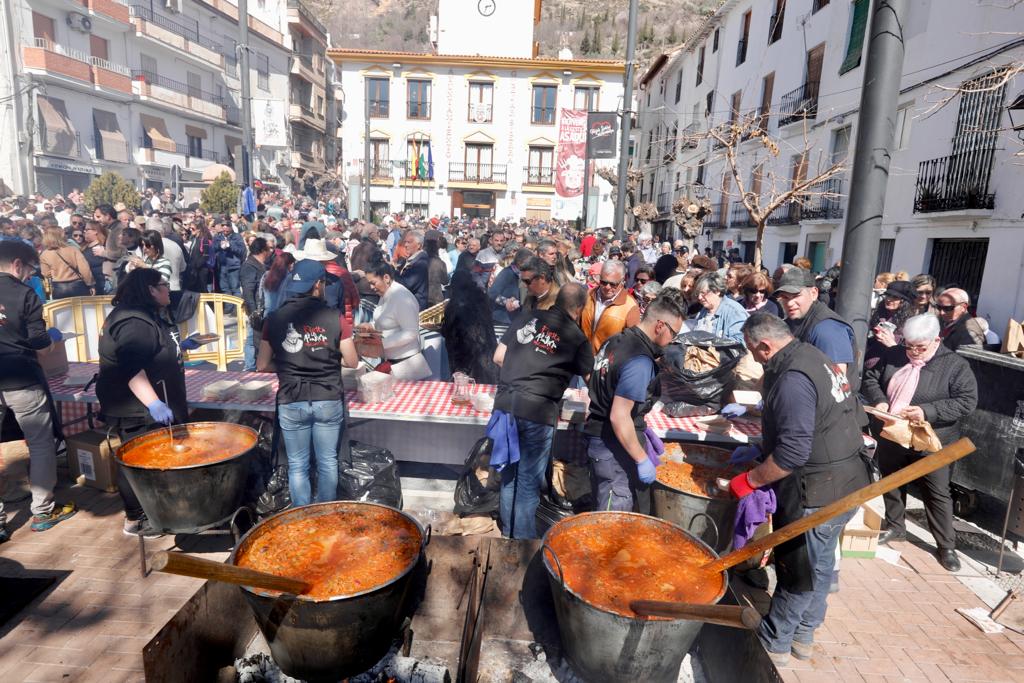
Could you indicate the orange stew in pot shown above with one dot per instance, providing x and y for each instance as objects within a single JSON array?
[
  {"x": 698, "y": 480},
  {"x": 615, "y": 562},
  {"x": 194, "y": 444},
  {"x": 339, "y": 553}
]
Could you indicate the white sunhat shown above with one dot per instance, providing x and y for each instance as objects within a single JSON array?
[{"x": 314, "y": 250}]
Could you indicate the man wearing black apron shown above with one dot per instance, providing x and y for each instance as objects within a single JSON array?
[
  {"x": 623, "y": 388},
  {"x": 812, "y": 443}
]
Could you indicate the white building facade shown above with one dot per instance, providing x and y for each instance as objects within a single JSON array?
[
  {"x": 952, "y": 207},
  {"x": 149, "y": 89},
  {"x": 460, "y": 133}
]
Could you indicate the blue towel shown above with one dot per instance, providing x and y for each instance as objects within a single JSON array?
[
  {"x": 752, "y": 511},
  {"x": 504, "y": 431}
]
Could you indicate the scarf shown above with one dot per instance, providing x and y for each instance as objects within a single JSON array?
[{"x": 903, "y": 384}]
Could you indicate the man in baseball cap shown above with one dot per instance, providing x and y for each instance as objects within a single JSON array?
[{"x": 812, "y": 321}]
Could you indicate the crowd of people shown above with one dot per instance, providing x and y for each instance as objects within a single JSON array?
[{"x": 535, "y": 307}]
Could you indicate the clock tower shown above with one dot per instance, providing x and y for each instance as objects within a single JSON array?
[{"x": 491, "y": 28}]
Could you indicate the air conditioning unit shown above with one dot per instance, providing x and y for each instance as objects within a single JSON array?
[
  {"x": 173, "y": 5},
  {"x": 480, "y": 112},
  {"x": 78, "y": 22}
]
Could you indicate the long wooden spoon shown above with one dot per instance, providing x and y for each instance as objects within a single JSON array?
[
  {"x": 735, "y": 616},
  {"x": 200, "y": 568},
  {"x": 926, "y": 465}
]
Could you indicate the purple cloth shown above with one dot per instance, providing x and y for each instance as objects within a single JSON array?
[
  {"x": 752, "y": 511},
  {"x": 654, "y": 446}
]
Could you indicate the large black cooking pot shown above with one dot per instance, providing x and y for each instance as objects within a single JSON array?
[
  {"x": 328, "y": 640},
  {"x": 196, "y": 497}
]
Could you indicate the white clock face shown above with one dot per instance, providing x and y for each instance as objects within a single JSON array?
[{"x": 486, "y": 7}]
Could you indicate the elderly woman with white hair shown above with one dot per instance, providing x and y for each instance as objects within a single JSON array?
[
  {"x": 921, "y": 380},
  {"x": 720, "y": 314}
]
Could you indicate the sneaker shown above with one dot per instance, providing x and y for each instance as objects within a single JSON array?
[
  {"x": 802, "y": 651},
  {"x": 5, "y": 535},
  {"x": 54, "y": 517},
  {"x": 779, "y": 659},
  {"x": 133, "y": 527}
]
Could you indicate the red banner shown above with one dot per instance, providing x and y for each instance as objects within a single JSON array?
[{"x": 572, "y": 151}]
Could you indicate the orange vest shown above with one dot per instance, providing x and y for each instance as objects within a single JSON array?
[{"x": 617, "y": 316}]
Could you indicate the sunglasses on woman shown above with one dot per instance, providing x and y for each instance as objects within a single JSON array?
[
  {"x": 643, "y": 280},
  {"x": 946, "y": 309},
  {"x": 76, "y": 235},
  {"x": 756, "y": 291}
]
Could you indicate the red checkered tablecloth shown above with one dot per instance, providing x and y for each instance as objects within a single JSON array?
[{"x": 412, "y": 402}]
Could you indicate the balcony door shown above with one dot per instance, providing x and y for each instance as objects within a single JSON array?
[
  {"x": 98, "y": 47},
  {"x": 42, "y": 28},
  {"x": 540, "y": 169},
  {"x": 815, "y": 58},
  {"x": 975, "y": 138},
  {"x": 479, "y": 161}
]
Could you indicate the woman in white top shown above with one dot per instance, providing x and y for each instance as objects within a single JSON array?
[{"x": 397, "y": 318}]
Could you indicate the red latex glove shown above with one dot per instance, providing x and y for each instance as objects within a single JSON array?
[
  {"x": 740, "y": 486},
  {"x": 384, "y": 367}
]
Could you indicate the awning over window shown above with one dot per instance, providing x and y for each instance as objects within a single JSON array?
[
  {"x": 156, "y": 129},
  {"x": 57, "y": 134},
  {"x": 195, "y": 132},
  {"x": 113, "y": 144}
]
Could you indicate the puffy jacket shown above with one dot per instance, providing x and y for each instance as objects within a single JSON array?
[
  {"x": 230, "y": 258},
  {"x": 617, "y": 316}
]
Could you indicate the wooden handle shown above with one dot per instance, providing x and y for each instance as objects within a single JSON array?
[
  {"x": 190, "y": 565},
  {"x": 723, "y": 615},
  {"x": 927, "y": 465}
]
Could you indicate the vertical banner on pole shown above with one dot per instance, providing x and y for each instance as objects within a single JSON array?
[
  {"x": 572, "y": 148},
  {"x": 602, "y": 130}
]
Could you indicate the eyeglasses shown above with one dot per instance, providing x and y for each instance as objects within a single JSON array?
[
  {"x": 528, "y": 280},
  {"x": 643, "y": 280},
  {"x": 675, "y": 333},
  {"x": 76, "y": 235},
  {"x": 681, "y": 251},
  {"x": 946, "y": 309},
  {"x": 163, "y": 283},
  {"x": 605, "y": 283},
  {"x": 917, "y": 348},
  {"x": 756, "y": 291}
]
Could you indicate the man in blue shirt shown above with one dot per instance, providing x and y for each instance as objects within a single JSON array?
[{"x": 813, "y": 322}]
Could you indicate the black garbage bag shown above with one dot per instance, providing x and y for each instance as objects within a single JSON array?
[
  {"x": 477, "y": 491},
  {"x": 708, "y": 388},
  {"x": 369, "y": 474},
  {"x": 275, "y": 496}
]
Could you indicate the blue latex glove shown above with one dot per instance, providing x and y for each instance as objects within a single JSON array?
[
  {"x": 189, "y": 344},
  {"x": 645, "y": 468},
  {"x": 159, "y": 411},
  {"x": 744, "y": 454},
  {"x": 55, "y": 335},
  {"x": 733, "y": 410}
]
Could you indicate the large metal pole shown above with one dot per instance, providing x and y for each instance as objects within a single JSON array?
[
  {"x": 367, "y": 171},
  {"x": 627, "y": 113},
  {"x": 586, "y": 187},
  {"x": 883, "y": 66},
  {"x": 22, "y": 154},
  {"x": 243, "y": 47}
]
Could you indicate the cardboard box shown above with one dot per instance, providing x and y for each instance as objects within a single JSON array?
[
  {"x": 53, "y": 359},
  {"x": 860, "y": 537},
  {"x": 91, "y": 459}
]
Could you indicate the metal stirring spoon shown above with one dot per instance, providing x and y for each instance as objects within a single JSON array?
[{"x": 177, "y": 447}]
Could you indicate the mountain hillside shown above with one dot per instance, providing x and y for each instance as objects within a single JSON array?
[{"x": 590, "y": 28}]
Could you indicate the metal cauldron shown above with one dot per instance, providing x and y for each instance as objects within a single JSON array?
[
  {"x": 196, "y": 497},
  {"x": 710, "y": 519},
  {"x": 340, "y": 637},
  {"x": 605, "y": 647}
]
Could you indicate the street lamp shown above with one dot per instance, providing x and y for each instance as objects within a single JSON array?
[{"x": 1016, "y": 112}]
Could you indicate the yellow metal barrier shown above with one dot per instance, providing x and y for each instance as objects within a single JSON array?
[{"x": 85, "y": 315}]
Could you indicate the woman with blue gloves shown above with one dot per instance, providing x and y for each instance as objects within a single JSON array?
[{"x": 141, "y": 382}]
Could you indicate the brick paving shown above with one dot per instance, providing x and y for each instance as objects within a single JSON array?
[{"x": 898, "y": 623}]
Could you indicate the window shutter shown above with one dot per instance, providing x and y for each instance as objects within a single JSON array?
[{"x": 857, "y": 29}]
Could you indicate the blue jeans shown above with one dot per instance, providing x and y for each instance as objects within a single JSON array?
[
  {"x": 521, "y": 482},
  {"x": 322, "y": 421},
  {"x": 230, "y": 282},
  {"x": 795, "y": 616},
  {"x": 250, "y": 350}
]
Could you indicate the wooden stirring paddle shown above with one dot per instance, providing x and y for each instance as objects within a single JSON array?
[
  {"x": 735, "y": 616},
  {"x": 926, "y": 465},
  {"x": 200, "y": 568}
]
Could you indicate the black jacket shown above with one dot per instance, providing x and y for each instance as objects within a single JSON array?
[
  {"x": 946, "y": 392},
  {"x": 231, "y": 258},
  {"x": 415, "y": 277},
  {"x": 249, "y": 278},
  {"x": 959, "y": 334},
  {"x": 22, "y": 333}
]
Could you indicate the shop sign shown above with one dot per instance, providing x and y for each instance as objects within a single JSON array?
[
  {"x": 155, "y": 172},
  {"x": 67, "y": 165}
]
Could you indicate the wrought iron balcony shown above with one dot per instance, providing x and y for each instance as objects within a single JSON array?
[
  {"x": 824, "y": 201},
  {"x": 180, "y": 25},
  {"x": 177, "y": 86},
  {"x": 716, "y": 218},
  {"x": 62, "y": 143},
  {"x": 739, "y": 217},
  {"x": 380, "y": 169},
  {"x": 955, "y": 183},
  {"x": 689, "y": 137},
  {"x": 801, "y": 103},
  {"x": 538, "y": 175},
  {"x": 787, "y": 214},
  {"x": 664, "y": 203},
  {"x": 477, "y": 172}
]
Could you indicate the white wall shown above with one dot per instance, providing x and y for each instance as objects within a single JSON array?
[{"x": 466, "y": 28}]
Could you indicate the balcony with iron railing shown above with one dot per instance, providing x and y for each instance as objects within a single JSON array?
[
  {"x": 179, "y": 32},
  {"x": 380, "y": 169},
  {"x": 539, "y": 175},
  {"x": 380, "y": 108},
  {"x": 193, "y": 159},
  {"x": 739, "y": 216},
  {"x": 787, "y": 214},
  {"x": 689, "y": 137},
  {"x": 473, "y": 172},
  {"x": 60, "y": 143},
  {"x": 53, "y": 58},
  {"x": 301, "y": 112},
  {"x": 959, "y": 182},
  {"x": 307, "y": 66},
  {"x": 824, "y": 201},
  {"x": 716, "y": 218},
  {"x": 147, "y": 84},
  {"x": 798, "y": 104},
  {"x": 664, "y": 203}
]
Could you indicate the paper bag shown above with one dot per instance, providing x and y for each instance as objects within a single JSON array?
[
  {"x": 918, "y": 436},
  {"x": 1013, "y": 340},
  {"x": 699, "y": 359}
]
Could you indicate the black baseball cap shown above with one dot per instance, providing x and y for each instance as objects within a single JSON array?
[{"x": 795, "y": 280}]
